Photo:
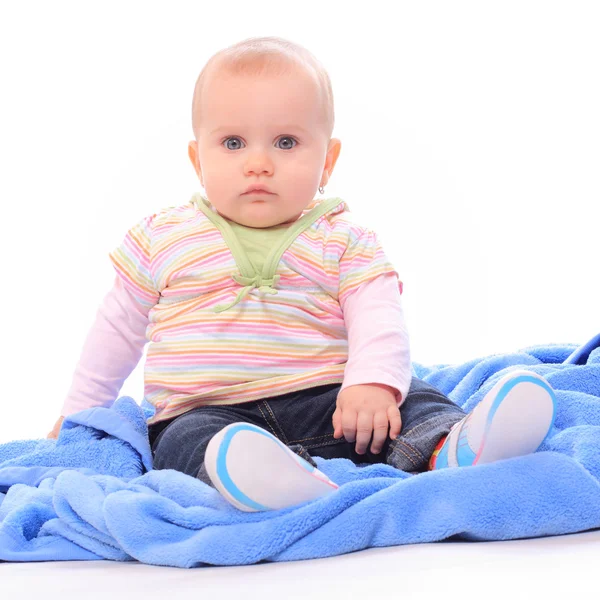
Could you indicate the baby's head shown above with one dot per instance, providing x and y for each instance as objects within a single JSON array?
[{"x": 262, "y": 114}]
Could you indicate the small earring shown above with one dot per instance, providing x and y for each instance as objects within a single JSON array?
[{"x": 321, "y": 190}]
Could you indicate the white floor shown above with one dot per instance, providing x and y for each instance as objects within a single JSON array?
[{"x": 557, "y": 567}]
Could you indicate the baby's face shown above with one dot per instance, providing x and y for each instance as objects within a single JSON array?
[{"x": 263, "y": 131}]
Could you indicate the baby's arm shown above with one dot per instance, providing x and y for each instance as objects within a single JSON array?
[
  {"x": 378, "y": 341},
  {"x": 112, "y": 349}
]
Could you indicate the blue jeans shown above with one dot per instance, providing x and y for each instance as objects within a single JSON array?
[{"x": 303, "y": 421}]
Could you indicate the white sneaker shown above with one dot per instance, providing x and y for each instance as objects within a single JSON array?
[
  {"x": 255, "y": 471},
  {"x": 513, "y": 419}
]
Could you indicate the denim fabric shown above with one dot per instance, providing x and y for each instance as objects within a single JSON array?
[{"x": 303, "y": 421}]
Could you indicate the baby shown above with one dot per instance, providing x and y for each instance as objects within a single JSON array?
[{"x": 274, "y": 320}]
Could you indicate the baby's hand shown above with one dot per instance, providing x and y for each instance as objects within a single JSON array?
[
  {"x": 56, "y": 429},
  {"x": 367, "y": 409}
]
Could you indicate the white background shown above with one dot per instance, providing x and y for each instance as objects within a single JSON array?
[{"x": 470, "y": 142}]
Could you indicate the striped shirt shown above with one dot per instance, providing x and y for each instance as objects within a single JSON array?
[{"x": 238, "y": 314}]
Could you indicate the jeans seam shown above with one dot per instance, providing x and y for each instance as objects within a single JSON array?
[
  {"x": 267, "y": 421},
  {"x": 283, "y": 436},
  {"x": 432, "y": 421},
  {"x": 411, "y": 448},
  {"x": 397, "y": 449}
]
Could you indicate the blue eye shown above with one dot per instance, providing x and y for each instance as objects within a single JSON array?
[
  {"x": 230, "y": 138},
  {"x": 286, "y": 137}
]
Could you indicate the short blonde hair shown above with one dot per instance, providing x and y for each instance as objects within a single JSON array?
[{"x": 271, "y": 56}]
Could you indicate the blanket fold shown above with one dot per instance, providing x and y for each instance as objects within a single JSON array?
[{"x": 92, "y": 493}]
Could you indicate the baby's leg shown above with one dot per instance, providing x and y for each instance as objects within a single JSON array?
[
  {"x": 513, "y": 419},
  {"x": 427, "y": 417},
  {"x": 181, "y": 445},
  {"x": 255, "y": 471}
]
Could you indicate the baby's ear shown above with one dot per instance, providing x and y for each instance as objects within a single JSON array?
[{"x": 193, "y": 154}]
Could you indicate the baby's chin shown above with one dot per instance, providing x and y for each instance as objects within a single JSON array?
[{"x": 264, "y": 221}]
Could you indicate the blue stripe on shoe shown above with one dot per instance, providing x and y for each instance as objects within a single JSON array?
[
  {"x": 441, "y": 460},
  {"x": 465, "y": 456},
  {"x": 509, "y": 385},
  {"x": 464, "y": 453},
  {"x": 223, "y": 473}
]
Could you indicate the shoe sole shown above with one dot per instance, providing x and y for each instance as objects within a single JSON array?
[
  {"x": 520, "y": 418},
  {"x": 255, "y": 471}
]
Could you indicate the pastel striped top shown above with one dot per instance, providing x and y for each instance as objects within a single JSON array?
[
  {"x": 235, "y": 313},
  {"x": 378, "y": 345}
]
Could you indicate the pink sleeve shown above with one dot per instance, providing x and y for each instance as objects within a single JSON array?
[
  {"x": 378, "y": 342},
  {"x": 111, "y": 351}
]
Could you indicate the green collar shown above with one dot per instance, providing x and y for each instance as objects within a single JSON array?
[{"x": 248, "y": 277}]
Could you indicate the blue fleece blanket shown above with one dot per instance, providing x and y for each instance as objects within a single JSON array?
[{"x": 92, "y": 494}]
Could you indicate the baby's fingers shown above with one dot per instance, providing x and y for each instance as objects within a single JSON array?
[
  {"x": 337, "y": 423},
  {"x": 395, "y": 421},
  {"x": 380, "y": 429},
  {"x": 349, "y": 417},
  {"x": 364, "y": 430}
]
